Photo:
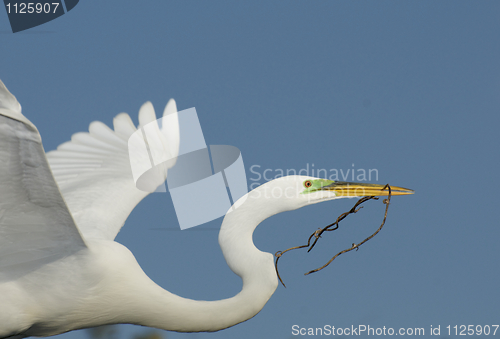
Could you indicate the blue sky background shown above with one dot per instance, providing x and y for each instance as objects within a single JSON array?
[{"x": 411, "y": 89}]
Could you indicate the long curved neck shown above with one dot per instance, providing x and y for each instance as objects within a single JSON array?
[{"x": 165, "y": 310}]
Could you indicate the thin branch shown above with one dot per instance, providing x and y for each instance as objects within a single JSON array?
[{"x": 332, "y": 227}]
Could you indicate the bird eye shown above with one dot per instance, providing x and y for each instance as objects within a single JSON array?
[{"x": 307, "y": 183}]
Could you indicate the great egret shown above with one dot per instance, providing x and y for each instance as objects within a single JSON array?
[{"x": 60, "y": 269}]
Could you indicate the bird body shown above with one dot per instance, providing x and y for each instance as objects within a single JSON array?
[
  {"x": 103, "y": 284},
  {"x": 71, "y": 292},
  {"x": 60, "y": 268}
]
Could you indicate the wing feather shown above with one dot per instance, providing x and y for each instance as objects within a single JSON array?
[
  {"x": 36, "y": 226},
  {"x": 124, "y": 127},
  {"x": 94, "y": 174},
  {"x": 105, "y": 134}
]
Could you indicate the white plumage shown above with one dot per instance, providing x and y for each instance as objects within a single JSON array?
[{"x": 60, "y": 268}]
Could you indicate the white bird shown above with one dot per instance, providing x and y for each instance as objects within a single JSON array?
[{"x": 60, "y": 268}]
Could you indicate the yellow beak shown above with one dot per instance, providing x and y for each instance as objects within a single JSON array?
[{"x": 354, "y": 189}]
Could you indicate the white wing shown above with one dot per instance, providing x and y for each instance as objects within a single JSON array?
[
  {"x": 94, "y": 174},
  {"x": 36, "y": 227}
]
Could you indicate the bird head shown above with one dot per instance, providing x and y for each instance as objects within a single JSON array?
[{"x": 296, "y": 191}]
